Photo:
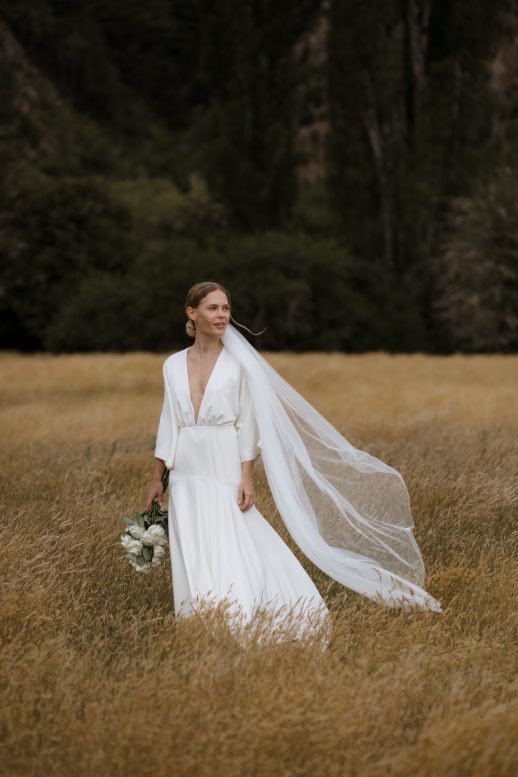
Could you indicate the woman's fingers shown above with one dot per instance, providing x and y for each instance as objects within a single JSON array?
[
  {"x": 242, "y": 499},
  {"x": 152, "y": 496},
  {"x": 249, "y": 500},
  {"x": 245, "y": 498}
]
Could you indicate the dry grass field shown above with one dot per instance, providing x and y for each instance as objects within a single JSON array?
[{"x": 97, "y": 678}]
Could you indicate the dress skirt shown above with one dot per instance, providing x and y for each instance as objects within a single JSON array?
[{"x": 219, "y": 552}]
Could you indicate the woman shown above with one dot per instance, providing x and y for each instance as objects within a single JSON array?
[
  {"x": 221, "y": 546},
  {"x": 348, "y": 511}
]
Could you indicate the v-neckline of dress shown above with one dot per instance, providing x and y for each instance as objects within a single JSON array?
[{"x": 206, "y": 385}]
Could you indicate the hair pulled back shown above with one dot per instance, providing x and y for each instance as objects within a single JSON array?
[{"x": 195, "y": 295}]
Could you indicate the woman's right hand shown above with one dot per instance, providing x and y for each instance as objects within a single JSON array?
[{"x": 156, "y": 490}]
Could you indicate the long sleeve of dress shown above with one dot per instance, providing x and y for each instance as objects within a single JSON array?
[
  {"x": 167, "y": 435},
  {"x": 246, "y": 425}
]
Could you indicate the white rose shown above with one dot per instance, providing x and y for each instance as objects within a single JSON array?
[
  {"x": 147, "y": 539},
  {"x": 126, "y": 539},
  {"x": 134, "y": 548},
  {"x": 136, "y": 531},
  {"x": 159, "y": 552},
  {"x": 157, "y": 534}
]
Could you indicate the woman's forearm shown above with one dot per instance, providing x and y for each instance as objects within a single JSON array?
[
  {"x": 247, "y": 469},
  {"x": 156, "y": 487},
  {"x": 158, "y": 469}
]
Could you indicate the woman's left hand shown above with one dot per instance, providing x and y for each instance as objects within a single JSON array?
[{"x": 245, "y": 494}]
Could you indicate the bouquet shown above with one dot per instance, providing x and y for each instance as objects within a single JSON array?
[{"x": 146, "y": 536}]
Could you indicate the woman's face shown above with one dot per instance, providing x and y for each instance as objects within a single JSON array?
[{"x": 212, "y": 314}]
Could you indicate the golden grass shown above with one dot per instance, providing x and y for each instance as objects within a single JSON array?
[{"x": 98, "y": 679}]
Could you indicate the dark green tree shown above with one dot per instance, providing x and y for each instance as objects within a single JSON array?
[
  {"x": 53, "y": 233},
  {"x": 252, "y": 73},
  {"x": 411, "y": 124},
  {"x": 477, "y": 274}
]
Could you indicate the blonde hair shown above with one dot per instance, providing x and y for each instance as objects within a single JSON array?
[{"x": 195, "y": 295}]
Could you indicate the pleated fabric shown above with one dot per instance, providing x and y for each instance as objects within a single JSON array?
[{"x": 218, "y": 552}]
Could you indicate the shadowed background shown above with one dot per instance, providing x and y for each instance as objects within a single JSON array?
[{"x": 347, "y": 169}]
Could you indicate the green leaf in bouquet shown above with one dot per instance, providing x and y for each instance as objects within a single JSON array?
[
  {"x": 155, "y": 510},
  {"x": 162, "y": 521},
  {"x": 141, "y": 561},
  {"x": 147, "y": 553}
]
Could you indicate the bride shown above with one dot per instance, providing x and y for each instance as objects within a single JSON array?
[{"x": 224, "y": 405}]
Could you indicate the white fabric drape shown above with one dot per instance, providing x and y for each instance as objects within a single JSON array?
[{"x": 348, "y": 511}]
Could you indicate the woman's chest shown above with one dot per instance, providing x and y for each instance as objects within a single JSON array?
[{"x": 215, "y": 403}]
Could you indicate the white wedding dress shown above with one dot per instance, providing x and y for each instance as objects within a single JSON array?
[{"x": 217, "y": 551}]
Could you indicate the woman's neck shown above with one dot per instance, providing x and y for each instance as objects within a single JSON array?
[{"x": 206, "y": 345}]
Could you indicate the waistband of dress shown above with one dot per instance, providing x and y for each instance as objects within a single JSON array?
[{"x": 228, "y": 425}]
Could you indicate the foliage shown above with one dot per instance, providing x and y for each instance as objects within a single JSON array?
[
  {"x": 478, "y": 269},
  {"x": 54, "y": 232},
  {"x": 306, "y": 291},
  {"x": 412, "y": 124},
  {"x": 252, "y": 75},
  {"x": 145, "y": 147},
  {"x": 302, "y": 288},
  {"x": 161, "y": 209}
]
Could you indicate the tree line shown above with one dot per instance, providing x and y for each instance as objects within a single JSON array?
[{"x": 145, "y": 147}]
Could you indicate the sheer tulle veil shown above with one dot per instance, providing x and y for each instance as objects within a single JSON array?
[{"x": 348, "y": 511}]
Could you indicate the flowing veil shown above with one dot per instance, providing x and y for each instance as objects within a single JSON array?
[{"x": 348, "y": 511}]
